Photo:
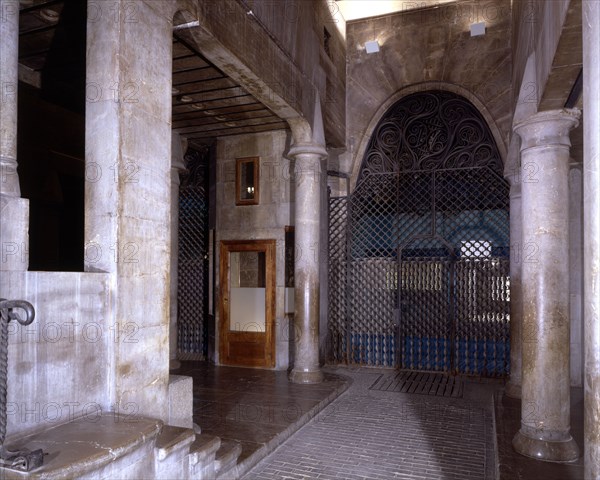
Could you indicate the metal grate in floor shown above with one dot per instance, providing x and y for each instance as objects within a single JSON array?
[{"x": 421, "y": 383}]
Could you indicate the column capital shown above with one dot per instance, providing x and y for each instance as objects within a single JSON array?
[
  {"x": 300, "y": 149},
  {"x": 547, "y": 128}
]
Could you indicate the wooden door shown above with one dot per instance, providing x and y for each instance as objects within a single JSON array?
[{"x": 247, "y": 303}]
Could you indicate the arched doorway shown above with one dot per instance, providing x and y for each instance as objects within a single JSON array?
[{"x": 419, "y": 271}]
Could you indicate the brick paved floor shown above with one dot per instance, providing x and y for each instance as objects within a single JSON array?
[{"x": 367, "y": 434}]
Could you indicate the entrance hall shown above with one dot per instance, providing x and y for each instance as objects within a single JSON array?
[{"x": 377, "y": 220}]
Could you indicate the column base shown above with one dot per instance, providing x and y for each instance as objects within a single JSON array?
[
  {"x": 545, "y": 450},
  {"x": 512, "y": 390},
  {"x": 301, "y": 376}
]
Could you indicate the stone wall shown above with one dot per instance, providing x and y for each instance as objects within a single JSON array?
[
  {"x": 431, "y": 47},
  {"x": 267, "y": 220},
  {"x": 61, "y": 366}
]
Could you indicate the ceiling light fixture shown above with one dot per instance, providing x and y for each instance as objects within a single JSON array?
[
  {"x": 186, "y": 99},
  {"x": 477, "y": 29},
  {"x": 372, "y": 46}
]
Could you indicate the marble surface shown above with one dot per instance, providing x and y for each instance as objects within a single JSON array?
[
  {"x": 258, "y": 408},
  {"x": 513, "y": 466},
  {"x": 429, "y": 45},
  {"x": 85, "y": 447}
]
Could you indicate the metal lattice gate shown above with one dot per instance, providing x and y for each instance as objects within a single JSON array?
[
  {"x": 192, "y": 279},
  {"x": 418, "y": 267}
]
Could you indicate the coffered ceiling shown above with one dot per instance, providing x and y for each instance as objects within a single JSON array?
[{"x": 206, "y": 102}]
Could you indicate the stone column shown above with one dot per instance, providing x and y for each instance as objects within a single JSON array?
[
  {"x": 14, "y": 210},
  {"x": 178, "y": 148},
  {"x": 576, "y": 271},
  {"x": 591, "y": 235},
  {"x": 513, "y": 387},
  {"x": 545, "y": 406},
  {"x": 127, "y": 213},
  {"x": 306, "y": 268}
]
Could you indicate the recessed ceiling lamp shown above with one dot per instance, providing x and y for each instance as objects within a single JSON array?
[
  {"x": 186, "y": 99},
  {"x": 174, "y": 91},
  {"x": 372, "y": 46},
  {"x": 477, "y": 29},
  {"x": 196, "y": 106},
  {"x": 231, "y": 124},
  {"x": 221, "y": 118},
  {"x": 49, "y": 15}
]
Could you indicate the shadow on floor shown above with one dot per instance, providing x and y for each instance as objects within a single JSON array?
[
  {"x": 258, "y": 408},
  {"x": 513, "y": 466}
]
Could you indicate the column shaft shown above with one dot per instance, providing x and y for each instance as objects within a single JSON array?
[
  {"x": 591, "y": 235},
  {"x": 128, "y": 143},
  {"x": 576, "y": 272},
  {"x": 513, "y": 387},
  {"x": 545, "y": 414},
  {"x": 9, "y": 79},
  {"x": 14, "y": 211},
  {"x": 306, "y": 270}
]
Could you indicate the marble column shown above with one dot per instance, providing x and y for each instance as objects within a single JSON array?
[
  {"x": 178, "y": 148},
  {"x": 545, "y": 406},
  {"x": 576, "y": 271},
  {"x": 127, "y": 202},
  {"x": 14, "y": 210},
  {"x": 306, "y": 269},
  {"x": 591, "y": 236},
  {"x": 513, "y": 387}
]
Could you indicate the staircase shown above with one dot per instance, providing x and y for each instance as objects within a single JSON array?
[
  {"x": 111, "y": 446},
  {"x": 201, "y": 456}
]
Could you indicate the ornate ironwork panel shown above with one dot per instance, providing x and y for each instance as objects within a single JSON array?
[
  {"x": 338, "y": 221},
  {"x": 430, "y": 131},
  {"x": 192, "y": 280},
  {"x": 419, "y": 274}
]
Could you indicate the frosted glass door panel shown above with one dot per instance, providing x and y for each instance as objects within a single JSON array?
[{"x": 247, "y": 309}]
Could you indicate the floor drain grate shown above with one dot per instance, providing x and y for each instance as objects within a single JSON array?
[{"x": 421, "y": 383}]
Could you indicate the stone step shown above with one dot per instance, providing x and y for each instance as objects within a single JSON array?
[
  {"x": 202, "y": 457},
  {"x": 203, "y": 447},
  {"x": 108, "y": 446},
  {"x": 171, "y": 451},
  {"x": 226, "y": 459},
  {"x": 173, "y": 439}
]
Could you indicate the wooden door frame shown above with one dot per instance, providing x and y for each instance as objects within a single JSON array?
[{"x": 268, "y": 246}]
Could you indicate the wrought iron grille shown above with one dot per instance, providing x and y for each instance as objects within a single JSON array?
[
  {"x": 419, "y": 272},
  {"x": 338, "y": 221},
  {"x": 192, "y": 281},
  {"x": 430, "y": 131}
]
